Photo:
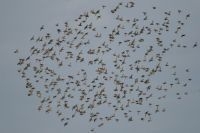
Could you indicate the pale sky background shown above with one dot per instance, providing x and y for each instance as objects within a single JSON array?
[{"x": 20, "y": 19}]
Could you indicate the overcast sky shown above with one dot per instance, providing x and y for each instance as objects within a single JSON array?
[{"x": 20, "y": 19}]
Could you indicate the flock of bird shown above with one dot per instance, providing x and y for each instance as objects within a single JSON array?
[{"x": 107, "y": 70}]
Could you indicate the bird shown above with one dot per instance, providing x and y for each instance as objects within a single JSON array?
[
  {"x": 16, "y": 51},
  {"x": 42, "y": 27},
  {"x": 195, "y": 45}
]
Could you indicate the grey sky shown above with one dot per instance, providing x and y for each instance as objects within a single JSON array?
[{"x": 19, "y": 20}]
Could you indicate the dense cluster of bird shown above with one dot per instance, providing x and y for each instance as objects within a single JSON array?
[{"x": 106, "y": 70}]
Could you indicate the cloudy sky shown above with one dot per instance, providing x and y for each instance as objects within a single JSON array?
[{"x": 20, "y": 19}]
